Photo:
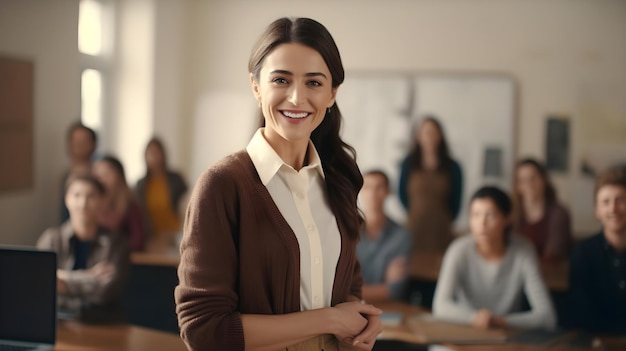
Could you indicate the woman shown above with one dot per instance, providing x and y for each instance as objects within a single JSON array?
[
  {"x": 160, "y": 192},
  {"x": 540, "y": 218},
  {"x": 430, "y": 189},
  {"x": 270, "y": 233},
  {"x": 485, "y": 276},
  {"x": 120, "y": 211}
]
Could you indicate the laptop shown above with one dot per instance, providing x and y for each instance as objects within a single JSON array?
[{"x": 27, "y": 299}]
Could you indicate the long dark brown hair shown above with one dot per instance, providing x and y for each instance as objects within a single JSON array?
[
  {"x": 343, "y": 177},
  {"x": 443, "y": 153},
  {"x": 549, "y": 194},
  {"x": 156, "y": 141}
]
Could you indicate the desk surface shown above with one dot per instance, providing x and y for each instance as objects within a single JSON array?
[
  {"x": 419, "y": 334},
  {"x": 73, "y": 336},
  {"x": 426, "y": 266}
]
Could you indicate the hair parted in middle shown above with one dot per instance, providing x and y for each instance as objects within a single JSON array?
[{"x": 343, "y": 177}]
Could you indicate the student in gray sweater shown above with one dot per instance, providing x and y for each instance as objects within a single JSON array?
[{"x": 485, "y": 276}]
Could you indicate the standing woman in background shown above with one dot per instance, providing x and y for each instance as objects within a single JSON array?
[
  {"x": 160, "y": 192},
  {"x": 268, "y": 255},
  {"x": 120, "y": 211},
  {"x": 540, "y": 217},
  {"x": 431, "y": 185}
]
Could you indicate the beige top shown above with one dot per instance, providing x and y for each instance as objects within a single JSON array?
[{"x": 299, "y": 196}]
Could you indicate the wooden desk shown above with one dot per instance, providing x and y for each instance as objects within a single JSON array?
[
  {"x": 426, "y": 266},
  {"x": 73, "y": 336},
  {"x": 167, "y": 258},
  {"x": 409, "y": 334}
]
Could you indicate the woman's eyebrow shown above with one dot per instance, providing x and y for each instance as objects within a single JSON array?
[{"x": 289, "y": 73}]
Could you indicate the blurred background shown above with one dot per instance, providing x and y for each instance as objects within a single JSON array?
[{"x": 178, "y": 69}]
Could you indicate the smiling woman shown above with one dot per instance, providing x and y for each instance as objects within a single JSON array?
[{"x": 268, "y": 255}]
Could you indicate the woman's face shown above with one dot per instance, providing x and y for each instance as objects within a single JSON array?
[
  {"x": 529, "y": 183},
  {"x": 107, "y": 175},
  {"x": 429, "y": 135},
  {"x": 294, "y": 89},
  {"x": 487, "y": 222},
  {"x": 155, "y": 159}
]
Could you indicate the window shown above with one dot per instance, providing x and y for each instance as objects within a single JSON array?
[
  {"x": 91, "y": 98},
  {"x": 95, "y": 36},
  {"x": 90, "y": 27}
]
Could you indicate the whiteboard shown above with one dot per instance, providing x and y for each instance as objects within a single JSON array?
[{"x": 477, "y": 112}]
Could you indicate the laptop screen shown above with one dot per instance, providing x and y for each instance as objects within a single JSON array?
[{"x": 27, "y": 295}]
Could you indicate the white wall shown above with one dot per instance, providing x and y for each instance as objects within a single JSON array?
[
  {"x": 46, "y": 33},
  {"x": 554, "y": 48},
  {"x": 196, "y": 95}
]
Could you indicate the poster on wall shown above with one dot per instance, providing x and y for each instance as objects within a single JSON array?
[
  {"x": 557, "y": 143},
  {"x": 16, "y": 124}
]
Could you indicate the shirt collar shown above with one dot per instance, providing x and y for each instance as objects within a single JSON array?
[{"x": 267, "y": 162}]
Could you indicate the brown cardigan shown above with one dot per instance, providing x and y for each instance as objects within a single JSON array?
[{"x": 239, "y": 256}]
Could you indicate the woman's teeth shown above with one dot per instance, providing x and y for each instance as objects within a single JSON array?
[{"x": 295, "y": 115}]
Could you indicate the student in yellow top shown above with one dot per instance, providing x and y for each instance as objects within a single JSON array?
[{"x": 161, "y": 190}]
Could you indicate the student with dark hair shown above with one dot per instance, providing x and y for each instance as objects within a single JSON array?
[
  {"x": 485, "y": 276},
  {"x": 430, "y": 188},
  {"x": 539, "y": 216},
  {"x": 268, "y": 254},
  {"x": 384, "y": 248},
  {"x": 120, "y": 211},
  {"x": 160, "y": 191},
  {"x": 597, "y": 281},
  {"x": 92, "y": 261},
  {"x": 81, "y": 144}
]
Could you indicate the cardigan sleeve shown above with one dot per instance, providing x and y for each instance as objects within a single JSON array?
[
  {"x": 206, "y": 297},
  {"x": 445, "y": 304},
  {"x": 541, "y": 314}
]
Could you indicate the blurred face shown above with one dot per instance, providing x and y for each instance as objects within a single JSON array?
[
  {"x": 107, "y": 175},
  {"x": 83, "y": 202},
  {"x": 81, "y": 144},
  {"x": 429, "y": 135},
  {"x": 611, "y": 208},
  {"x": 529, "y": 183},
  {"x": 294, "y": 89},
  {"x": 374, "y": 192},
  {"x": 155, "y": 160},
  {"x": 487, "y": 223}
]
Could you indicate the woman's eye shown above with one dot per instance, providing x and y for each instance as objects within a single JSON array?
[
  {"x": 315, "y": 83},
  {"x": 280, "y": 80}
]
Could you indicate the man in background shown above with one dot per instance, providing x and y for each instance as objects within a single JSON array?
[
  {"x": 81, "y": 145},
  {"x": 384, "y": 247},
  {"x": 598, "y": 264}
]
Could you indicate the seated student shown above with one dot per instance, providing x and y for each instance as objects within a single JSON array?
[
  {"x": 120, "y": 212},
  {"x": 384, "y": 246},
  {"x": 485, "y": 275},
  {"x": 540, "y": 217},
  {"x": 160, "y": 192},
  {"x": 81, "y": 145},
  {"x": 597, "y": 279},
  {"x": 92, "y": 262}
]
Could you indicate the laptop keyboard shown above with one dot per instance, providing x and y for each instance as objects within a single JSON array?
[{"x": 15, "y": 348}]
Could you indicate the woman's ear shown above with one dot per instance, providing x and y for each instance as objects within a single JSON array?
[
  {"x": 334, "y": 95},
  {"x": 255, "y": 88}
]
